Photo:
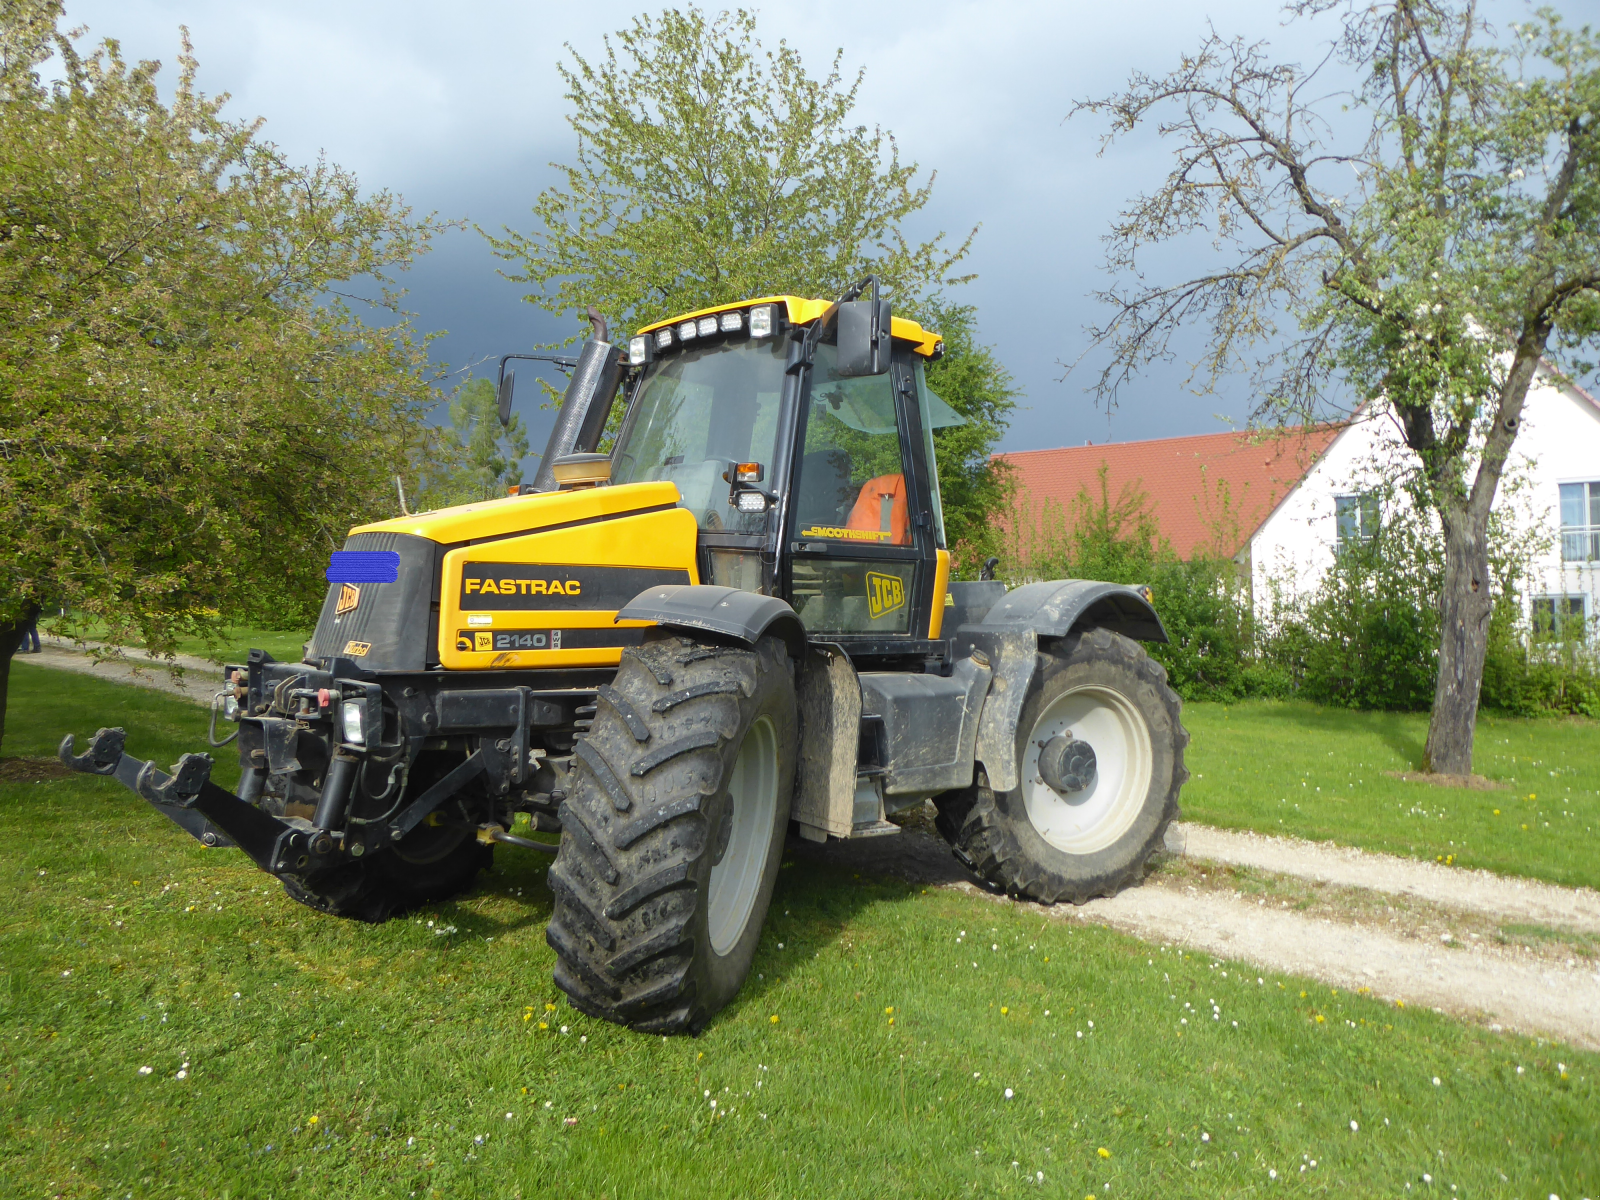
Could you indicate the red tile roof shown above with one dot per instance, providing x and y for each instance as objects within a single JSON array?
[{"x": 1185, "y": 479}]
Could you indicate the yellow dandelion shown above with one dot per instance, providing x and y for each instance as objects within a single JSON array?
[
  {"x": 889, "y": 1012},
  {"x": 549, "y": 1007},
  {"x": 1103, "y": 1152},
  {"x": 1399, "y": 1003},
  {"x": 544, "y": 1024},
  {"x": 1319, "y": 1018},
  {"x": 1497, "y": 812},
  {"x": 1524, "y": 829},
  {"x": 527, "y": 1016},
  {"x": 524, "y": 1091},
  {"x": 1302, "y": 995},
  {"x": 1533, "y": 795},
  {"x": 311, "y": 1120},
  {"x": 773, "y": 1018},
  {"x": 891, "y": 1020}
]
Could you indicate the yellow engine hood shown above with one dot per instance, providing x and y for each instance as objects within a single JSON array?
[{"x": 525, "y": 514}]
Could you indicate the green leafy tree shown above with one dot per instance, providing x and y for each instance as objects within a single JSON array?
[
  {"x": 191, "y": 416},
  {"x": 709, "y": 170},
  {"x": 976, "y": 487},
  {"x": 486, "y": 458},
  {"x": 1431, "y": 262}
]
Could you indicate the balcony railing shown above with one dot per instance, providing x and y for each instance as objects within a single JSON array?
[{"x": 1580, "y": 543}]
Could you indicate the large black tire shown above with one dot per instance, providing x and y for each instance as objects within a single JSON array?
[
  {"x": 689, "y": 763},
  {"x": 430, "y": 864},
  {"x": 1025, "y": 841}
]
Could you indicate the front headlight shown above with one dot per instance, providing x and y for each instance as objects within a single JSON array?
[{"x": 352, "y": 714}]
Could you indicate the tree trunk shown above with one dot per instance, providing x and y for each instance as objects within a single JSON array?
[
  {"x": 10, "y": 639},
  {"x": 1464, "y": 611}
]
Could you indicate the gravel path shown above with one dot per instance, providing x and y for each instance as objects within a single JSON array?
[
  {"x": 199, "y": 682},
  {"x": 1480, "y": 982},
  {"x": 1504, "y": 898},
  {"x": 1503, "y": 986}
]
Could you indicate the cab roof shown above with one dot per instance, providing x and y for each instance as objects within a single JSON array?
[{"x": 802, "y": 312}]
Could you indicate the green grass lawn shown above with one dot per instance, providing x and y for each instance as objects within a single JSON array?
[
  {"x": 286, "y": 645},
  {"x": 1297, "y": 768},
  {"x": 422, "y": 1057}
]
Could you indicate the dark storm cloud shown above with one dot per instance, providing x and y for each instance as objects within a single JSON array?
[{"x": 459, "y": 108}]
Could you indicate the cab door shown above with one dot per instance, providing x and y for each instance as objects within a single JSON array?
[{"x": 861, "y": 532}]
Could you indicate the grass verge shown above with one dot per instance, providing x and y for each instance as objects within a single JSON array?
[
  {"x": 871, "y": 1054},
  {"x": 1287, "y": 767}
]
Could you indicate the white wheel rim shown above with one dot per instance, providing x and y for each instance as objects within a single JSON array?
[
  {"x": 736, "y": 877},
  {"x": 1085, "y": 821}
]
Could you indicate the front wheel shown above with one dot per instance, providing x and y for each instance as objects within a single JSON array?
[
  {"x": 672, "y": 832},
  {"x": 1100, "y": 764}
]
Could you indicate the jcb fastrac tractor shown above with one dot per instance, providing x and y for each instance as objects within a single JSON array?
[{"x": 740, "y": 619}]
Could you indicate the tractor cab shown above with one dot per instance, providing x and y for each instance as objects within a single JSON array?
[{"x": 808, "y": 480}]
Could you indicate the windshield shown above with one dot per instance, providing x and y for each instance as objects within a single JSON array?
[{"x": 694, "y": 414}]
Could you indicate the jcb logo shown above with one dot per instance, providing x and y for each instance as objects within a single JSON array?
[
  {"x": 349, "y": 597},
  {"x": 885, "y": 593}
]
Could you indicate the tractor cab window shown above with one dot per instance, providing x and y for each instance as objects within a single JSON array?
[
  {"x": 696, "y": 412},
  {"x": 852, "y": 485}
]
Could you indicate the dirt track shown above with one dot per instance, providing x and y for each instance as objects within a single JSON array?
[{"x": 1378, "y": 922}]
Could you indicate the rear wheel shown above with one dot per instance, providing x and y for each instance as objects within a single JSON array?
[
  {"x": 1100, "y": 764},
  {"x": 673, "y": 832}
]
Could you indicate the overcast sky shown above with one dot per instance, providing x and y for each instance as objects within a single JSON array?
[{"x": 459, "y": 108}]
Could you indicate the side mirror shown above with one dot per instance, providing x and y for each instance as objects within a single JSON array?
[
  {"x": 864, "y": 338},
  {"x": 508, "y": 384}
]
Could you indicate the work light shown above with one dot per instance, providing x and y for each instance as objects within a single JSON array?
[
  {"x": 752, "y": 502},
  {"x": 708, "y": 326},
  {"x": 663, "y": 339},
  {"x": 761, "y": 321},
  {"x": 686, "y": 331},
  {"x": 731, "y": 322},
  {"x": 352, "y": 713},
  {"x": 636, "y": 350}
]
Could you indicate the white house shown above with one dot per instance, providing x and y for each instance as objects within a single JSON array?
[{"x": 1281, "y": 503}]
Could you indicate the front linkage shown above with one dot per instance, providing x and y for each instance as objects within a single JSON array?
[{"x": 342, "y": 771}]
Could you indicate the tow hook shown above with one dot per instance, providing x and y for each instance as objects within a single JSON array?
[{"x": 491, "y": 833}]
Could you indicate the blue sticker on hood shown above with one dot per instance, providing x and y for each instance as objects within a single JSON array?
[{"x": 364, "y": 566}]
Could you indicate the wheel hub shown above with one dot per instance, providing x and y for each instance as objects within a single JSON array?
[
  {"x": 1067, "y": 764},
  {"x": 1086, "y": 769}
]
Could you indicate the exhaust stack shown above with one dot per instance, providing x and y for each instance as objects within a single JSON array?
[{"x": 586, "y": 405}]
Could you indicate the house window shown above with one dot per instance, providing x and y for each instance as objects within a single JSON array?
[
  {"x": 1559, "y": 618},
  {"x": 1580, "y": 522},
  {"x": 1356, "y": 518}
]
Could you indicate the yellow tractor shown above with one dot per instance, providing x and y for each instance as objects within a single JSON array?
[{"x": 739, "y": 623}]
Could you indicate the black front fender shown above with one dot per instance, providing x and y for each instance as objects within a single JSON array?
[{"x": 727, "y": 612}]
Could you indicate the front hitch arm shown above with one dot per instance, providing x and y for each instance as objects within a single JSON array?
[{"x": 189, "y": 799}]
